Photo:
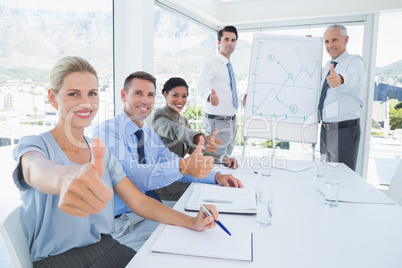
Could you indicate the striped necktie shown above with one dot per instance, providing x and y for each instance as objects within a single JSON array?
[
  {"x": 233, "y": 85},
  {"x": 142, "y": 160}
]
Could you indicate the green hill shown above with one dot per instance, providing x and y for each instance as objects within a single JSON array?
[{"x": 393, "y": 69}]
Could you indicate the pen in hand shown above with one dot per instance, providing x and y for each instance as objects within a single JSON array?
[
  {"x": 209, "y": 214},
  {"x": 229, "y": 165}
]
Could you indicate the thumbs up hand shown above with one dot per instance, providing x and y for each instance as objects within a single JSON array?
[
  {"x": 98, "y": 154},
  {"x": 196, "y": 164},
  {"x": 82, "y": 191},
  {"x": 213, "y": 98},
  {"x": 334, "y": 79},
  {"x": 211, "y": 142}
]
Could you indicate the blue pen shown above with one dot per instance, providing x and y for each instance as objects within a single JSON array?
[{"x": 209, "y": 214}]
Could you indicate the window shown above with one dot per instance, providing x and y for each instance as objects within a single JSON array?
[
  {"x": 386, "y": 138},
  {"x": 34, "y": 34},
  {"x": 181, "y": 47}
]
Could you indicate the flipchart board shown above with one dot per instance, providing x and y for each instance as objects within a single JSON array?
[{"x": 283, "y": 88}]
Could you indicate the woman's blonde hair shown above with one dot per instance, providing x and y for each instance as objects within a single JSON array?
[{"x": 66, "y": 66}]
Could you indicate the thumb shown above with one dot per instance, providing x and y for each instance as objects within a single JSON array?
[
  {"x": 215, "y": 132},
  {"x": 98, "y": 153},
  {"x": 200, "y": 145},
  {"x": 213, "y": 91},
  {"x": 332, "y": 69}
]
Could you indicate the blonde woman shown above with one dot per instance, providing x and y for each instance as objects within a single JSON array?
[{"x": 67, "y": 182}]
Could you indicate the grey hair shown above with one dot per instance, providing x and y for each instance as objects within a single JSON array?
[
  {"x": 341, "y": 28},
  {"x": 66, "y": 66}
]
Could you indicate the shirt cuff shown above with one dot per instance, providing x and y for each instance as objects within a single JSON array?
[
  {"x": 173, "y": 172},
  {"x": 211, "y": 177}
]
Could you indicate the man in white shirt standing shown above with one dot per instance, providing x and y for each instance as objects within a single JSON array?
[
  {"x": 217, "y": 89},
  {"x": 343, "y": 82}
]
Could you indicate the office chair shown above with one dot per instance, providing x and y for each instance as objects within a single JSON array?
[{"x": 14, "y": 238}]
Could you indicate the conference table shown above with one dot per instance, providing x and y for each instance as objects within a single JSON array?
[{"x": 304, "y": 232}]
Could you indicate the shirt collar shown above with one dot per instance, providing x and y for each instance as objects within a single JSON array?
[
  {"x": 222, "y": 58},
  {"x": 341, "y": 57},
  {"x": 130, "y": 126}
]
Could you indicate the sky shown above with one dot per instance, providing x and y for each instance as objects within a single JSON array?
[
  {"x": 68, "y": 5},
  {"x": 389, "y": 35},
  {"x": 389, "y": 39}
]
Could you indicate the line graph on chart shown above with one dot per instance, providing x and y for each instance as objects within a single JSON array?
[{"x": 283, "y": 80}]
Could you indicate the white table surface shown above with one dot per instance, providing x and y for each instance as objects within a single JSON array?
[{"x": 304, "y": 232}]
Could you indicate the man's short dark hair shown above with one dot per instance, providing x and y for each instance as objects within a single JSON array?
[
  {"x": 231, "y": 29},
  {"x": 139, "y": 75}
]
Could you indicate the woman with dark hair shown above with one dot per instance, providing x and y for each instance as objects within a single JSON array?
[{"x": 177, "y": 135}]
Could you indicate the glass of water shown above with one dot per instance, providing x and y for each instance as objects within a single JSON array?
[
  {"x": 265, "y": 201},
  {"x": 320, "y": 164},
  {"x": 266, "y": 166},
  {"x": 332, "y": 183}
]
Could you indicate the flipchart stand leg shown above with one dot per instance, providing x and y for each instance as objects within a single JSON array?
[{"x": 313, "y": 147}]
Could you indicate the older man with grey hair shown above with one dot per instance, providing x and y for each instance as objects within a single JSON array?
[{"x": 340, "y": 105}]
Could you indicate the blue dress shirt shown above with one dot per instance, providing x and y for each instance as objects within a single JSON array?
[{"x": 162, "y": 166}]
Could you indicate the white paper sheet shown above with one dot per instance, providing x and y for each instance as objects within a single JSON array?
[{"x": 213, "y": 243}]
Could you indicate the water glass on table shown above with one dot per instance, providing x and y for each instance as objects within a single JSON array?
[
  {"x": 266, "y": 166},
  {"x": 320, "y": 165},
  {"x": 332, "y": 183},
  {"x": 265, "y": 201}
]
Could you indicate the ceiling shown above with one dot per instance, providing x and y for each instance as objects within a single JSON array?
[{"x": 246, "y": 13}]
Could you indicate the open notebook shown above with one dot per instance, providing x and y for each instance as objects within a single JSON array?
[
  {"x": 226, "y": 199},
  {"x": 213, "y": 243}
]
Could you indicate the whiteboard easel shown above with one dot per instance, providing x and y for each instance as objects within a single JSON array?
[{"x": 283, "y": 89}]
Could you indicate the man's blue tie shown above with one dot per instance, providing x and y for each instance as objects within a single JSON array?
[
  {"x": 142, "y": 160},
  {"x": 324, "y": 91},
  {"x": 233, "y": 85}
]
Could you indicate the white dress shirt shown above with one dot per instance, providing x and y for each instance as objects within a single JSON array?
[
  {"x": 215, "y": 75},
  {"x": 345, "y": 102}
]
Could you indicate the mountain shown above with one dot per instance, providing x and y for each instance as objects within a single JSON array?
[
  {"x": 393, "y": 69},
  {"x": 37, "y": 38}
]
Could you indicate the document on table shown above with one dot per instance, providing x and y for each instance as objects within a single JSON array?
[
  {"x": 365, "y": 196},
  {"x": 370, "y": 196},
  {"x": 226, "y": 199},
  {"x": 213, "y": 243}
]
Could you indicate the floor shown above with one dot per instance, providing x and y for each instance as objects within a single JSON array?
[{"x": 385, "y": 155}]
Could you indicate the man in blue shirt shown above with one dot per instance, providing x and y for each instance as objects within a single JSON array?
[{"x": 159, "y": 167}]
